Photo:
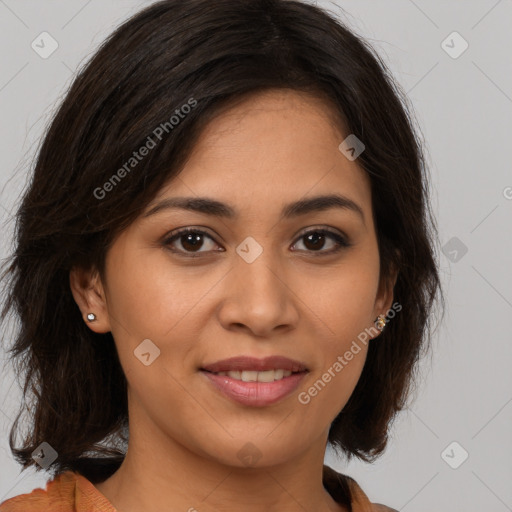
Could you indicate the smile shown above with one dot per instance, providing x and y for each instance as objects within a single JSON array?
[
  {"x": 255, "y": 376},
  {"x": 255, "y": 389}
]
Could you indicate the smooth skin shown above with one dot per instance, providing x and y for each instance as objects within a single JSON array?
[{"x": 274, "y": 148}]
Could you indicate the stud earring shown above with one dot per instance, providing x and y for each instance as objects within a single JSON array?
[
  {"x": 91, "y": 317},
  {"x": 380, "y": 322}
]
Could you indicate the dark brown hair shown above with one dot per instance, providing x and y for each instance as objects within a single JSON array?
[{"x": 215, "y": 53}]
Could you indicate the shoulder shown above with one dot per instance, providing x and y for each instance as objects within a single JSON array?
[
  {"x": 362, "y": 499},
  {"x": 345, "y": 489},
  {"x": 377, "y": 507},
  {"x": 59, "y": 495}
]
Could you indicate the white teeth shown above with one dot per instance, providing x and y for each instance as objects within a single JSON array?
[
  {"x": 249, "y": 376},
  {"x": 253, "y": 376},
  {"x": 266, "y": 376}
]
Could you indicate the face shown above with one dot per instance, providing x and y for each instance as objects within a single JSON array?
[{"x": 253, "y": 279}]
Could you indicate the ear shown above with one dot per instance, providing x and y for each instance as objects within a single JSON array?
[
  {"x": 89, "y": 294},
  {"x": 384, "y": 299}
]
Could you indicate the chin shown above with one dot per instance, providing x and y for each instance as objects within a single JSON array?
[{"x": 254, "y": 451}]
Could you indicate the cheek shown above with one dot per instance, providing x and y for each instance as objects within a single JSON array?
[
  {"x": 149, "y": 298},
  {"x": 344, "y": 306},
  {"x": 333, "y": 381},
  {"x": 328, "y": 390},
  {"x": 147, "y": 294},
  {"x": 343, "y": 297}
]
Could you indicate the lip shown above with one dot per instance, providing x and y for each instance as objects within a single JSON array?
[
  {"x": 255, "y": 394},
  {"x": 241, "y": 363}
]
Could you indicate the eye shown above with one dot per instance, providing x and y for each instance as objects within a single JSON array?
[
  {"x": 315, "y": 240},
  {"x": 191, "y": 241}
]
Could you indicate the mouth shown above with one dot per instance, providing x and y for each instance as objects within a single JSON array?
[
  {"x": 256, "y": 376},
  {"x": 255, "y": 382},
  {"x": 245, "y": 364}
]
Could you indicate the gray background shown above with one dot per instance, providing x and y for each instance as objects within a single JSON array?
[{"x": 464, "y": 107}]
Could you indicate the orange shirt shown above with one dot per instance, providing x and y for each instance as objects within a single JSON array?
[{"x": 72, "y": 492}]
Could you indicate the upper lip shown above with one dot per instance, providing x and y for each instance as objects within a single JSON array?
[{"x": 241, "y": 363}]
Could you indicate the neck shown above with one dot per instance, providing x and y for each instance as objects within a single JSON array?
[{"x": 196, "y": 483}]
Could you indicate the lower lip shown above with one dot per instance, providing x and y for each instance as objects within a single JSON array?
[{"x": 255, "y": 394}]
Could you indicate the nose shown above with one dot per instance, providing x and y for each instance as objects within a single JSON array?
[{"x": 258, "y": 298}]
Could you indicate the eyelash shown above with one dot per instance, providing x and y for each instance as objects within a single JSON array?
[{"x": 341, "y": 241}]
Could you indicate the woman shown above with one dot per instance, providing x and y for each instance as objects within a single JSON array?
[{"x": 224, "y": 262}]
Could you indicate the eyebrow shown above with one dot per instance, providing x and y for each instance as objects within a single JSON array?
[{"x": 216, "y": 208}]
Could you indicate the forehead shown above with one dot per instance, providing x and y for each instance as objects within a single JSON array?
[{"x": 270, "y": 149}]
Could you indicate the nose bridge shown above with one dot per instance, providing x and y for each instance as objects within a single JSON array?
[
  {"x": 257, "y": 296},
  {"x": 258, "y": 267}
]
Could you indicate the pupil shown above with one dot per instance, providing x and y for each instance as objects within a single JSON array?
[
  {"x": 315, "y": 237},
  {"x": 194, "y": 240}
]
